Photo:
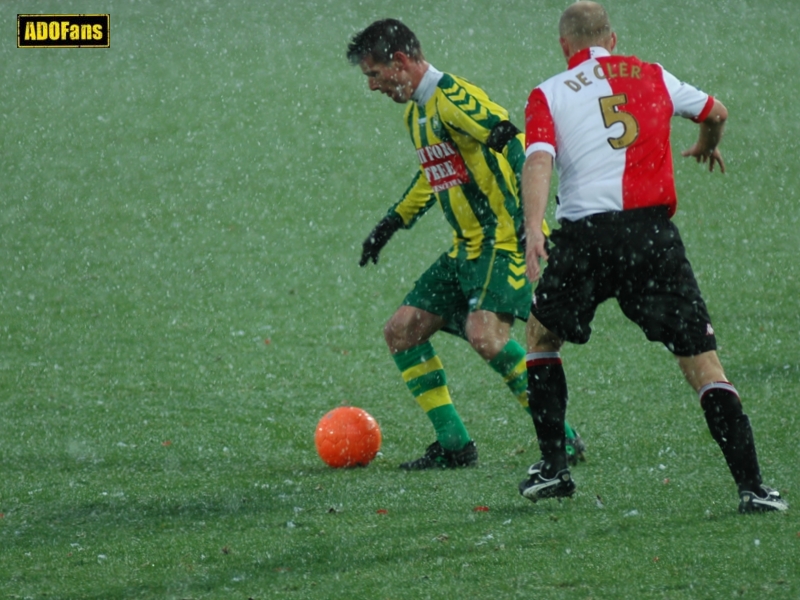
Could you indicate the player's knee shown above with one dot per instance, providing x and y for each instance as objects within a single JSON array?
[
  {"x": 407, "y": 328},
  {"x": 488, "y": 333},
  {"x": 701, "y": 369},
  {"x": 484, "y": 342},
  {"x": 541, "y": 339},
  {"x": 393, "y": 331}
]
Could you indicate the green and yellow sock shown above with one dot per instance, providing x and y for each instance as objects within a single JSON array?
[
  {"x": 510, "y": 364},
  {"x": 424, "y": 375}
]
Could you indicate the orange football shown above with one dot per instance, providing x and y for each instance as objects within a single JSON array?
[{"x": 347, "y": 437}]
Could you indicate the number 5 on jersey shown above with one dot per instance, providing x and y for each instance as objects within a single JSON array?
[{"x": 609, "y": 106}]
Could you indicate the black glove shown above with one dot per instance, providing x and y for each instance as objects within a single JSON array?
[{"x": 378, "y": 237}]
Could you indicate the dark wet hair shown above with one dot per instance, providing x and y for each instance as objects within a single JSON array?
[{"x": 381, "y": 40}]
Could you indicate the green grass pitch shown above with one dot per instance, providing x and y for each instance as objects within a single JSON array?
[{"x": 180, "y": 224}]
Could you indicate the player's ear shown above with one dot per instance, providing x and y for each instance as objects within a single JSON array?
[
  {"x": 613, "y": 42},
  {"x": 565, "y": 47},
  {"x": 401, "y": 59}
]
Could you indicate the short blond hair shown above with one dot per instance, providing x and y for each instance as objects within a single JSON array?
[{"x": 585, "y": 24}]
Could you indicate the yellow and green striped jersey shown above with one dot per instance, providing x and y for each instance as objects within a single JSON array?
[{"x": 476, "y": 186}]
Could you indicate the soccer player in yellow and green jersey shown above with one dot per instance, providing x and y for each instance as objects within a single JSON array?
[
  {"x": 469, "y": 154},
  {"x": 471, "y": 157}
]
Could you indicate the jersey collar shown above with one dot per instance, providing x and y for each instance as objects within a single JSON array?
[
  {"x": 586, "y": 54},
  {"x": 427, "y": 86}
]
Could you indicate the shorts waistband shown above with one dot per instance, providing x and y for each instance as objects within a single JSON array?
[{"x": 649, "y": 213}]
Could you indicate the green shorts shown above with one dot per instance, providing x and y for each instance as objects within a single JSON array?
[{"x": 454, "y": 287}]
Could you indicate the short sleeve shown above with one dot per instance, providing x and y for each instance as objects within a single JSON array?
[
  {"x": 687, "y": 100},
  {"x": 540, "y": 130}
]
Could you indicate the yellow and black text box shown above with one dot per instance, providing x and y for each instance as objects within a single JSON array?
[{"x": 63, "y": 31}]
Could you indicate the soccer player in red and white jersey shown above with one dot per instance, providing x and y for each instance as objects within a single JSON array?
[{"x": 605, "y": 123}]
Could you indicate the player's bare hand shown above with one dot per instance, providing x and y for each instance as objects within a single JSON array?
[
  {"x": 703, "y": 155},
  {"x": 534, "y": 253}
]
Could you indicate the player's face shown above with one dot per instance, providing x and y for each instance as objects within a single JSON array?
[{"x": 391, "y": 79}]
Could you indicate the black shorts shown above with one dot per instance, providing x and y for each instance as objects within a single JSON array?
[{"x": 635, "y": 256}]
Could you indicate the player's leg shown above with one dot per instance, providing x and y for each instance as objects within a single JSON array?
[
  {"x": 509, "y": 359},
  {"x": 665, "y": 301},
  {"x": 490, "y": 334},
  {"x": 499, "y": 293},
  {"x": 730, "y": 427},
  {"x": 409, "y": 327},
  {"x": 563, "y": 307},
  {"x": 547, "y": 398},
  {"x": 702, "y": 369},
  {"x": 547, "y": 394},
  {"x": 728, "y": 424},
  {"x": 408, "y": 334}
]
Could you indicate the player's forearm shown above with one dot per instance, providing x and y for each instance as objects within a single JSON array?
[
  {"x": 536, "y": 174},
  {"x": 712, "y": 127},
  {"x": 415, "y": 202}
]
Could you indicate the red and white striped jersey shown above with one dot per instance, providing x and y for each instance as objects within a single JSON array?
[{"x": 606, "y": 121}]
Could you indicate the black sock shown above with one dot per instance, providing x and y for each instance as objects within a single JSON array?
[
  {"x": 731, "y": 429},
  {"x": 547, "y": 399}
]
